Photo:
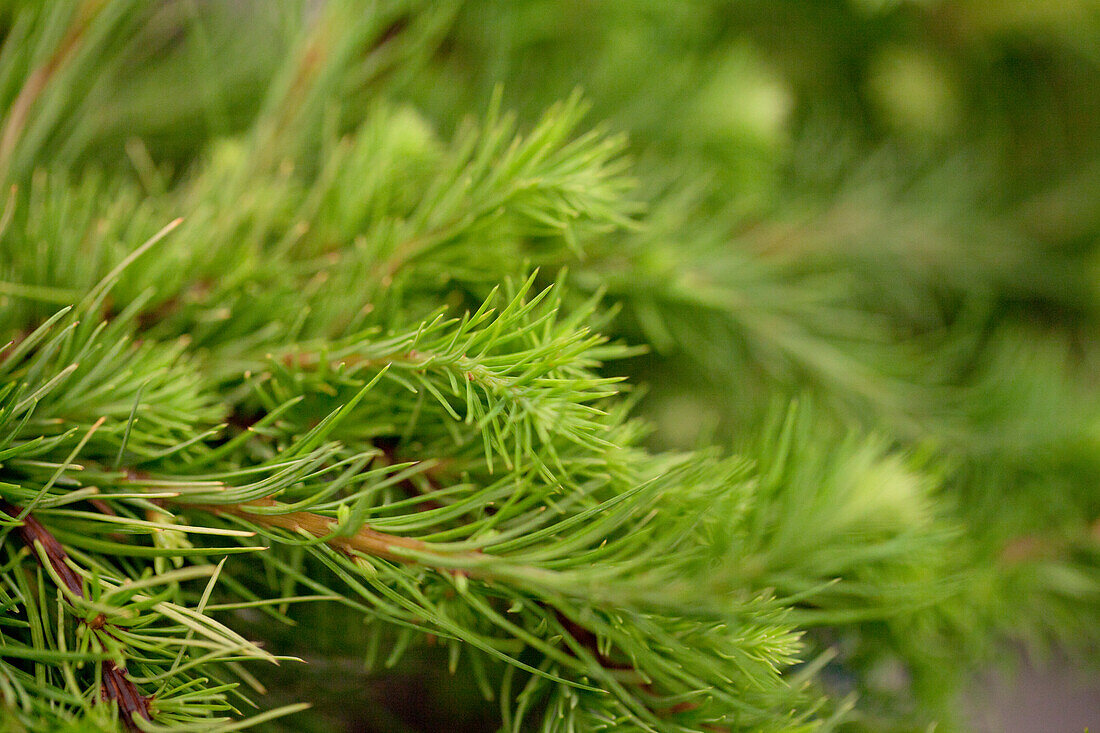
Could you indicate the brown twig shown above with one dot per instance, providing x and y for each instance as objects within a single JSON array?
[
  {"x": 118, "y": 687},
  {"x": 366, "y": 540},
  {"x": 115, "y": 684}
]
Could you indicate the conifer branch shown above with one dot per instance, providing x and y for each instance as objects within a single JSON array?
[
  {"x": 371, "y": 382},
  {"x": 115, "y": 685}
]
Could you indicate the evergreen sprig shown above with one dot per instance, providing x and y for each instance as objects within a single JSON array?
[{"x": 284, "y": 357}]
